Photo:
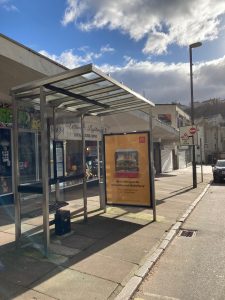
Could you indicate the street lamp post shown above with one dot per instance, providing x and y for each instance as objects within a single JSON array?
[{"x": 194, "y": 174}]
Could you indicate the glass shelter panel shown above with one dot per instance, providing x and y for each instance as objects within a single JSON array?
[
  {"x": 5, "y": 161},
  {"x": 83, "y": 92}
]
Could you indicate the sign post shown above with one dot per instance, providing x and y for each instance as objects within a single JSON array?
[
  {"x": 188, "y": 136},
  {"x": 201, "y": 158}
]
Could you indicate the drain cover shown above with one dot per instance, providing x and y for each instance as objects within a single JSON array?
[{"x": 187, "y": 233}]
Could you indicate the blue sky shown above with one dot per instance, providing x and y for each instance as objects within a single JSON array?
[{"x": 144, "y": 43}]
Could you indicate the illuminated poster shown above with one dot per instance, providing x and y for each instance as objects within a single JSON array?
[
  {"x": 127, "y": 169},
  {"x": 58, "y": 155}
]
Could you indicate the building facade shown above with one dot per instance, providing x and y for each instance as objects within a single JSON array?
[
  {"x": 214, "y": 137},
  {"x": 18, "y": 65},
  {"x": 173, "y": 156}
]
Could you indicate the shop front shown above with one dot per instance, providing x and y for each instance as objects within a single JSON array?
[
  {"x": 28, "y": 141},
  {"x": 70, "y": 135},
  {"x": 5, "y": 166},
  {"x": 29, "y": 150}
]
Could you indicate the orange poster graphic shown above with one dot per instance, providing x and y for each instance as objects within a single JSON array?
[{"x": 127, "y": 169}]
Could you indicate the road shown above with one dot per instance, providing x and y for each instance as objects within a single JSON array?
[{"x": 193, "y": 267}]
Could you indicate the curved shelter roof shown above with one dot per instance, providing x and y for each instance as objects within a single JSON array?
[{"x": 85, "y": 90}]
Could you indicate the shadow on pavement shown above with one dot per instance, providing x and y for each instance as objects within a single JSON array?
[
  {"x": 27, "y": 267},
  {"x": 185, "y": 190},
  {"x": 165, "y": 175}
]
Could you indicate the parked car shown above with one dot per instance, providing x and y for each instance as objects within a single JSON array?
[{"x": 219, "y": 170}]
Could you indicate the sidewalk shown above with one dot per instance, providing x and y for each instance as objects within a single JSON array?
[
  {"x": 97, "y": 259},
  {"x": 193, "y": 267}
]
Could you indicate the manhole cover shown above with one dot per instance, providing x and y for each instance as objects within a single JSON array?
[{"x": 187, "y": 233}]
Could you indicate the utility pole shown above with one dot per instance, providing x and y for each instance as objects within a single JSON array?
[{"x": 194, "y": 173}]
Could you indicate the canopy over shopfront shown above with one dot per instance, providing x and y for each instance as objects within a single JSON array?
[{"x": 81, "y": 91}]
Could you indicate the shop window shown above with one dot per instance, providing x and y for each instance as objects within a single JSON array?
[
  {"x": 27, "y": 157},
  {"x": 91, "y": 160},
  {"x": 5, "y": 161}
]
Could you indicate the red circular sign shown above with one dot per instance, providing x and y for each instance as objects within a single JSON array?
[{"x": 192, "y": 130}]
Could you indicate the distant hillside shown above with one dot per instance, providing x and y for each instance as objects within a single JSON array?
[{"x": 207, "y": 108}]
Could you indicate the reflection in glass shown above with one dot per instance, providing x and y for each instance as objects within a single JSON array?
[{"x": 5, "y": 161}]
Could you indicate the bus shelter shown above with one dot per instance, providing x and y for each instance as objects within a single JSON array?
[{"x": 84, "y": 91}]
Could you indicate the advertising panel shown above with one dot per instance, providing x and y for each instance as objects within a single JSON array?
[
  {"x": 58, "y": 155},
  {"x": 127, "y": 169}
]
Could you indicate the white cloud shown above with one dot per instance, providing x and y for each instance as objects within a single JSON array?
[
  {"x": 107, "y": 48},
  {"x": 67, "y": 58},
  {"x": 163, "y": 83},
  {"x": 6, "y": 4},
  {"x": 159, "y": 81},
  {"x": 161, "y": 22},
  {"x": 71, "y": 60},
  {"x": 73, "y": 10}
]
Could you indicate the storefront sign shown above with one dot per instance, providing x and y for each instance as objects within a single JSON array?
[
  {"x": 165, "y": 118},
  {"x": 72, "y": 131},
  {"x": 127, "y": 168}
]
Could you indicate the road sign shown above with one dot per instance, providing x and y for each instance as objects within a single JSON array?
[
  {"x": 192, "y": 130},
  {"x": 188, "y": 135}
]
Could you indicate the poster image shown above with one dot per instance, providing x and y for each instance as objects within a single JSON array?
[
  {"x": 127, "y": 169},
  {"x": 126, "y": 163},
  {"x": 58, "y": 157}
]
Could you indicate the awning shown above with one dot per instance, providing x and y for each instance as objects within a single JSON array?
[{"x": 86, "y": 90}]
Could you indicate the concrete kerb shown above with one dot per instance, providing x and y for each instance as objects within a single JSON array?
[
  {"x": 135, "y": 281},
  {"x": 193, "y": 205}
]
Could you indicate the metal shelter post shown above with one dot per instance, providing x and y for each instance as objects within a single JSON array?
[
  {"x": 44, "y": 164},
  {"x": 152, "y": 173},
  {"x": 57, "y": 190},
  {"x": 102, "y": 178},
  {"x": 84, "y": 167},
  {"x": 16, "y": 172},
  {"x": 201, "y": 159}
]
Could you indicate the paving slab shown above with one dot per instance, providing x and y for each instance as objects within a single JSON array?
[
  {"x": 24, "y": 228},
  {"x": 6, "y": 238},
  {"x": 94, "y": 231},
  {"x": 8, "y": 289},
  {"x": 63, "y": 250},
  {"x": 26, "y": 294},
  {"x": 22, "y": 270},
  {"x": 70, "y": 284},
  {"x": 106, "y": 267},
  {"x": 97, "y": 258},
  {"x": 129, "y": 248},
  {"x": 78, "y": 242}
]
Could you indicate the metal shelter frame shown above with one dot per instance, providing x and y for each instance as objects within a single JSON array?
[{"x": 82, "y": 91}]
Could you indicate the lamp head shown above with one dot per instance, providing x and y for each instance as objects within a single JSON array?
[{"x": 195, "y": 45}]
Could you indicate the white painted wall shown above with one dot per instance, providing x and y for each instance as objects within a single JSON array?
[
  {"x": 182, "y": 159},
  {"x": 166, "y": 160}
]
